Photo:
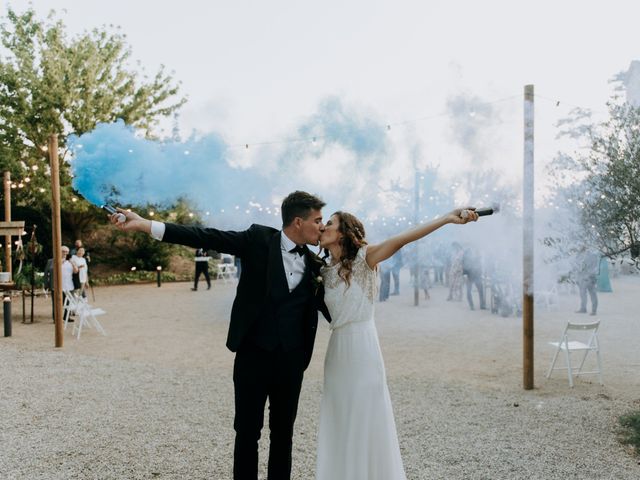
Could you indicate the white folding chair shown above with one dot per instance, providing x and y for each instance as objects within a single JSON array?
[
  {"x": 547, "y": 298},
  {"x": 228, "y": 272},
  {"x": 70, "y": 305},
  {"x": 588, "y": 333},
  {"x": 87, "y": 318}
]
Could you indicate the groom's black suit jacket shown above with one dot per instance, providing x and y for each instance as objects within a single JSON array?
[{"x": 262, "y": 271}]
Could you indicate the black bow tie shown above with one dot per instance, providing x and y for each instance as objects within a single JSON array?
[{"x": 299, "y": 249}]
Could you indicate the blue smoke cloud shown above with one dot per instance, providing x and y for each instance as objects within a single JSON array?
[
  {"x": 112, "y": 164},
  {"x": 339, "y": 157}
]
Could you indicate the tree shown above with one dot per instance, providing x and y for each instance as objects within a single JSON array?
[
  {"x": 602, "y": 185},
  {"x": 53, "y": 84}
]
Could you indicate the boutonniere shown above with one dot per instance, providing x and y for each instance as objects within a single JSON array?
[{"x": 317, "y": 283}]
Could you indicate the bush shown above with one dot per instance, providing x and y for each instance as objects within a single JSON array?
[
  {"x": 630, "y": 434},
  {"x": 122, "y": 251},
  {"x": 23, "y": 279},
  {"x": 139, "y": 277}
]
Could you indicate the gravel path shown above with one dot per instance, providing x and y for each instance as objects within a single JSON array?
[{"x": 153, "y": 399}]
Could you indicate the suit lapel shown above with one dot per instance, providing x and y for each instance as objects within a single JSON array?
[{"x": 276, "y": 278}]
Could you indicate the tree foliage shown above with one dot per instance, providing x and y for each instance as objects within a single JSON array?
[
  {"x": 51, "y": 83},
  {"x": 602, "y": 184}
]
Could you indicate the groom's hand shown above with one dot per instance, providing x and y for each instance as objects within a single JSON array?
[{"x": 133, "y": 223}]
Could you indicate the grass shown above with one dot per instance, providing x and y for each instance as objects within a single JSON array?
[{"x": 630, "y": 432}]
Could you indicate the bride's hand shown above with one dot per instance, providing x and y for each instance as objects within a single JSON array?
[{"x": 461, "y": 216}]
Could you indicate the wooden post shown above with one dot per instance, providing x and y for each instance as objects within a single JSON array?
[
  {"x": 56, "y": 233},
  {"x": 416, "y": 267},
  {"x": 527, "y": 240},
  {"x": 8, "y": 264}
]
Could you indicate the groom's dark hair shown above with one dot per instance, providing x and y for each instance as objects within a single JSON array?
[{"x": 299, "y": 204}]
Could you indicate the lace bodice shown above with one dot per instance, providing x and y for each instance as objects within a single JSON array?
[{"x": 354, "y": 303}]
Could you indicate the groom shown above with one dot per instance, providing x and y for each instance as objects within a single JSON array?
[{"x": 273, "y": 320}]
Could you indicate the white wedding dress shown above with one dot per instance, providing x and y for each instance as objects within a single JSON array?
[{"x": 357, "y": 437}]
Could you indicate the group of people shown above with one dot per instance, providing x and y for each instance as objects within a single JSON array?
[
  {"x": 273, "y": 324},
  {"x": 453, "y": 267},
  {"x": 458, "y": 267}
]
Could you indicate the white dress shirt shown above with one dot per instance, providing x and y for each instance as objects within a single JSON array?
[
  {"x": 157, "y": 230},
  {"x": 293, "y": 262}
]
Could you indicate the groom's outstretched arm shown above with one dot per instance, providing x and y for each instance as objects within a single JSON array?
[{"x": 234, "y": 243}]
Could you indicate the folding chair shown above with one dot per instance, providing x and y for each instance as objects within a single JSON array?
[
  {"x": 228, "y": 272},
  {"x": 547, "y": 298},
  {"x": 587, "y": 330},
  {"x": 70, "y": 305},
  {"x": 87, "y": 317}
]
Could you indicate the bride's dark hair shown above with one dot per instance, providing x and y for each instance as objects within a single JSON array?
[{"x": 352, "y": 239}]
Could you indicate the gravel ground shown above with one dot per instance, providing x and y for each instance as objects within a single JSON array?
[{"x": 154, "y": 398}]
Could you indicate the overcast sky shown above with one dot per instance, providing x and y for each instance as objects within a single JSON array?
[{"x": 255, "y": 70}]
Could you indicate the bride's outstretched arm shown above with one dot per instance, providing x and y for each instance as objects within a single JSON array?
[{"x": 380, "y": 252}]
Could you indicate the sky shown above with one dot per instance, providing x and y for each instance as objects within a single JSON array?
[{"x": 441, "y": 81}]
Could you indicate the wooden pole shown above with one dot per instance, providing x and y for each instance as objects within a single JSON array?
[
  {"x": 56, "y": 233},
  {"x": 416, "y": 267},
  {"x": 527, "y": 240},
  {"x": 8, "y": 264}
]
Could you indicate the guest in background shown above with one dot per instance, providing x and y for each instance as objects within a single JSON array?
[
  {"x": 81, "y": 271},
  {"x": 385, "y": 280},
  {"x": 472, "y": 268},
  {"x": 586, "y": 269},
  {"x": 604, "y": 284},
  {"x": 202, "y": 267},
  {"x": 396, "y": 265},
  {"x": 455, "y": 272},
  {"x": 425, "y": 280},
  {"x": 68, "y": 269}
]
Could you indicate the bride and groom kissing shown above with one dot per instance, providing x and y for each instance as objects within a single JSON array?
[{"x": 273, "y": 326}]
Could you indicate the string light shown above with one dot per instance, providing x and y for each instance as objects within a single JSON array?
[
  {"x": 472, "y": 113},
  {"x": 314, "y": 140}
]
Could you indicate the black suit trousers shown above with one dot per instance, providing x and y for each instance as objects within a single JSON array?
[
  {"x": 202, "y": 268},
  {"x": 259, "y": 375}
]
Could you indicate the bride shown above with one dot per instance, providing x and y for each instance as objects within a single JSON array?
[{"x": 357, "y": 437}]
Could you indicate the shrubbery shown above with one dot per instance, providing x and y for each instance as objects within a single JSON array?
[{"x": 139, "y": 277}]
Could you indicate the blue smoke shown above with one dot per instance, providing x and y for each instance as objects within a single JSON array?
[{"x": 113, "y": 165}]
